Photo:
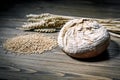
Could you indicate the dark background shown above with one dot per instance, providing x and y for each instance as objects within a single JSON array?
[
  {"x": 111, "y": 8},
  {"x": 6, "y": 4}
]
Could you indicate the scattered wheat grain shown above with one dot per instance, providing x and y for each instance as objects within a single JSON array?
[{"x": 32, "y": 43}]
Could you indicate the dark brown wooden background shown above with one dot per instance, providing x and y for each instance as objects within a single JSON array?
[{"x": 54, "y": 64}]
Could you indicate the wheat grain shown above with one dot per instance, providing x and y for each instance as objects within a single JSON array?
[
  {"x": 51, "y": 22},
  {"x": 46, "y": 30},
  {"x": 38, "y": 15},
  {"x": 32, "y": 43}
]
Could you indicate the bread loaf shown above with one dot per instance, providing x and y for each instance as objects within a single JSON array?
[{"x": 83, "y": 38}]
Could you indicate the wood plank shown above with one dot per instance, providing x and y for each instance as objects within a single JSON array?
[{"x": 54, "y": 64}]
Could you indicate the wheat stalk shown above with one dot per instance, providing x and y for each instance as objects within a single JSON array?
[{"x": 47, "y": 20}]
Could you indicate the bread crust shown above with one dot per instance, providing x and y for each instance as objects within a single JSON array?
[
  {"x": 79, "y": 40},
  {"x": 92, "y": 53}
]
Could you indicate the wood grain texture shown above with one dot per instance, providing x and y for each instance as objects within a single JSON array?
[{"x": 54, "y": 64}]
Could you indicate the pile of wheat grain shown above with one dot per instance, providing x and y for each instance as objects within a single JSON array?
[{"x": 32, "y": 43}]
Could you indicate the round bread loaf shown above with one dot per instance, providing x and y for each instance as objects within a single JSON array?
[{"x": 83, "y": 38}]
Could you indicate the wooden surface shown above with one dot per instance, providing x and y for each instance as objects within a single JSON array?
[{"x": 54, "y": 64}]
